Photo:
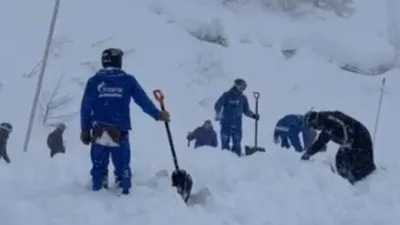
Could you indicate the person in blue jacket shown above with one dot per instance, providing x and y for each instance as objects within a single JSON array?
[
  {"x": 229, "y": 109},
  {"x": 204, "y": 135},
  {"x": 287, "y": 132},
  {"x": 105, "y": 119}
]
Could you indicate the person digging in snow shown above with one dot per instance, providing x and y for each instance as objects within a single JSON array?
[
  {"x": 287, "y": 132},
  {"x": 355, "y": 158}
]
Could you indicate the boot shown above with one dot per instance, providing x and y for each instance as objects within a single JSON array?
[
  {"x": 99, "y": 182},
  {"x": 124, "y": 184}
]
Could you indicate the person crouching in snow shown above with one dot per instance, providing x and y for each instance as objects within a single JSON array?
[
  {"x": 5, "y": 131},
  {"x": 204, "y": 135},
  {"x": 55, "y": 140},
  {"x": 355, "y": 156},
  {"x": 287, "y": 132}
]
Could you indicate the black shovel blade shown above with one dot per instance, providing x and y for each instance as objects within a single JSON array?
[
  {"x": 250, "y": 150},
  {"x": 183, "y": 183},
  {"x": 186, "y": 192}
]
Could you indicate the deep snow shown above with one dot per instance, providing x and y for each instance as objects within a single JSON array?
[{"x": 273, "y": 188}]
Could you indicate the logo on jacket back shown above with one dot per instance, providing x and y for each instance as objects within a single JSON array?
[
  {"x": 234, "y": 102},
  {"x": 109, "y": 92}
]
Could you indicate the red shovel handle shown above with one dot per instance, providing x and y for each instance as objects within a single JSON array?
[
  {"x": 158, "y": 95},
  {"x": 256, "y": 95}
]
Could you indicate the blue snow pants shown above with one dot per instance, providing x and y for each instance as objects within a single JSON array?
[
  {"x": 289, "y": 139},
  {"x": 229, "y": 133},
  {"x": 120, "y": 157}
]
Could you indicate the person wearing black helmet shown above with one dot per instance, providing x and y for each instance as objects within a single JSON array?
[
  {"x": 355, "y": 158},
  {"x": 229, "y": 109},
  {"x": 5, "y": 131},
  {"x": 105, "y": 119}
]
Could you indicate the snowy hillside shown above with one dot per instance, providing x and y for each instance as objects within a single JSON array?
[{"x": 162, "y": 51}]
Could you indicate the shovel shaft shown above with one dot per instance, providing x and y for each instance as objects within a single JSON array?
[
  {"x": 256, "y": 128},
  {"x": 256, "y": 97},
  {"x": 159, "y": 96}
]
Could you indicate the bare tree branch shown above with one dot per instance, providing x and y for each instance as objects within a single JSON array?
[
  {"x": 80, "y": 82},
  {"x": 53, "y": 105},
  {"x": 55, "y": 52},
  {"x": 102, "y": 41},
  {"x": 60, "y": 102},
  {"x": 66, "y": 116},
  {"x": 93, "y": 66}
]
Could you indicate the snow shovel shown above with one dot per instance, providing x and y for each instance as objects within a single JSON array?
[
  {"x": 249, "y": 150},
  {"x": 184, "y": 178}
]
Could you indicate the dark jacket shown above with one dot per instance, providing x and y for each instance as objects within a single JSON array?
[
  {"x": 5, "y": 130},
  {"x": 342, "y": 129},
  {"x": 230, "y": 107},
  {"x": 203, "y": 136},
  {"x": 55, "y": 141}
]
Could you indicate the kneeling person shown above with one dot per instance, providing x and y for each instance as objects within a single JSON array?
[
  {"x": 287, "y": 132},
  {"x": 204, "y": 135},
  {"x": 355, "y": 158}
]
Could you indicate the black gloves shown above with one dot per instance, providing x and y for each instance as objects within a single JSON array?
[
  {"x": 86, "y": 138},
  {"x": 164, "y": 116},
  {"x": 255, "y": 116},
  {"x": 188, "y": 136},
  {"x": 183, "y": 182},
  {"x": 306, "y": 156}
]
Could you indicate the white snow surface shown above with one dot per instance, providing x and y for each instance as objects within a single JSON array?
[{"x": 264, "y": 189}]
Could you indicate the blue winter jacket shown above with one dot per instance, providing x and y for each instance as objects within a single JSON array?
[
  {"x": 230, "y": 107},
  {"x": 204, "y": 137},
  {"x": 290, "y": 126},
  {"x": 107, "y": 98}
]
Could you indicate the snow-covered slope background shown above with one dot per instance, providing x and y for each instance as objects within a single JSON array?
[{"x": 273, "y": 188}]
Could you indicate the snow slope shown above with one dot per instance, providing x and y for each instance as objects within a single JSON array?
[{"x": 273, "y": 188}]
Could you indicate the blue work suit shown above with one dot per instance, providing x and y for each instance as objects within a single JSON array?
[
  {"x": 288, "y": 129},
  {"x": 106, "y": 102},
  {"x": 229, "y": 108}
]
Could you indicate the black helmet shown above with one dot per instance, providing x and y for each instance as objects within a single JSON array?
[
  {"x": 112, "y": 57},
  {"x": 240, "y": 84},
  {"x": 6, "y": 126},
  {"x": 311, "y": 119}
]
